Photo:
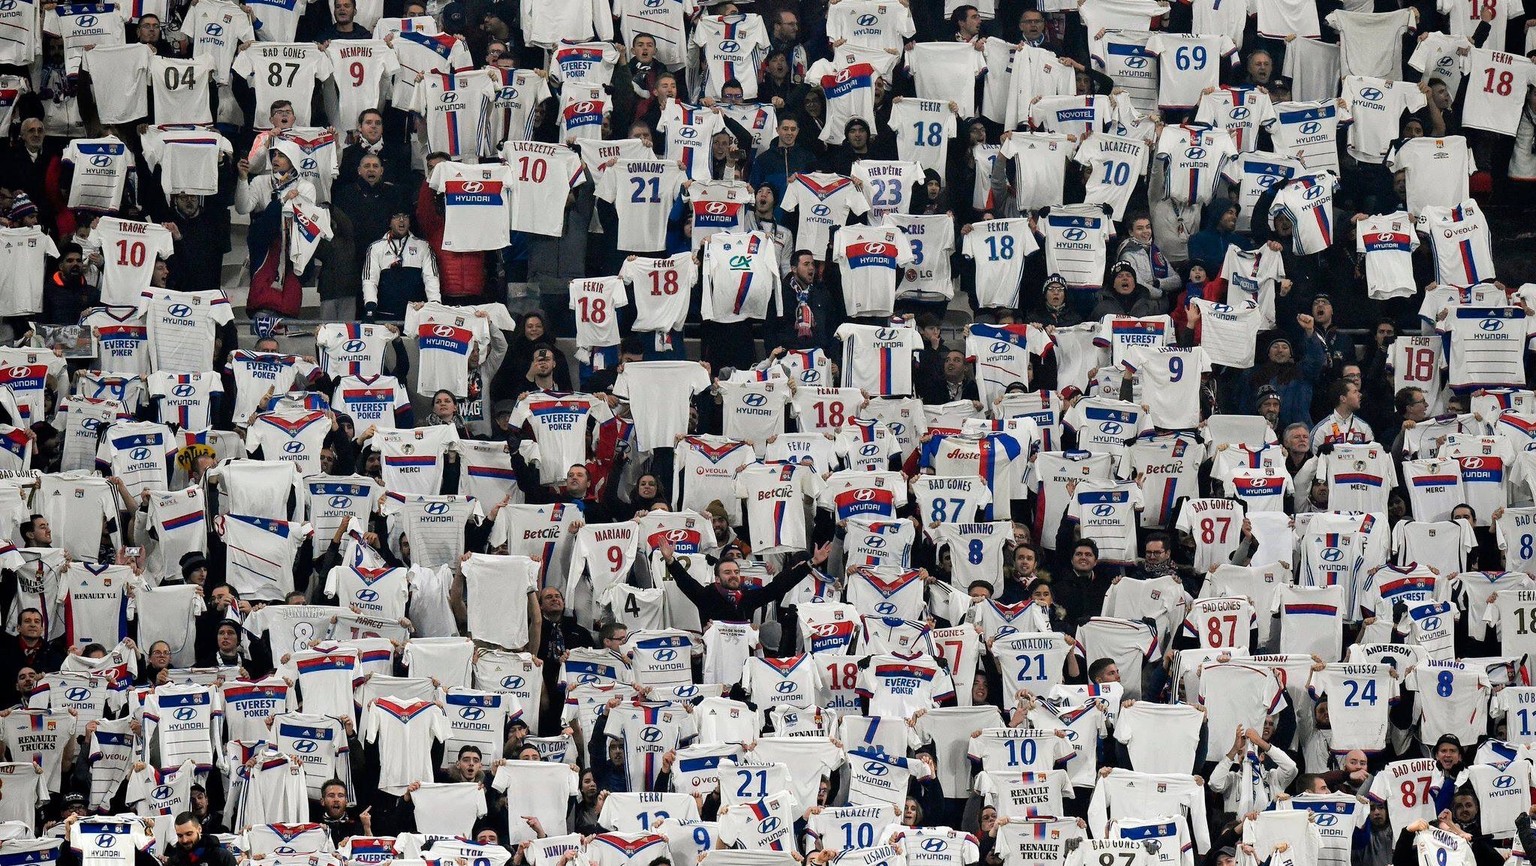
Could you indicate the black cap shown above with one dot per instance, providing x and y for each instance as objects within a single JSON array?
[
  {"x": 1322, "y": 296},
  {"x": 191, "y": 562},
  {"x": 1121, "y": 267},
  {"x": 71, "y": 800},
  {"x": 1266, "y": 394}
]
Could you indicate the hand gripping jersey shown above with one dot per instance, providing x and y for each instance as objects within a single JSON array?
[
  {"x": 1193, "y": 159},
  {"x": 1241, "y": 111},
  {"x": 1031, "y": 660},
  {"x": 1116, "y": 164},
  {"x": 880, "y": 359},
  {"x": 741, "y": 278},
  {"x": 260, "y": 551},
  {"x": 477, "y": 205},
  {"x": 284, "y": 70},
  {"x": 449, "y": 338},
  {"x": 559, "y": 424},
  {"x": 1307, "y": 203},
  {"x": 824, "y": 202},
  {"x": 999, "y": 248},
  {"x": 923, "y": 127},
  {"x": 405, "y": 733},
  {"x": 181, "y": 327},
  {"x": 643, "y": 192},
  {"x": 1459, "y": 239},
  {"x": 731, "y": 48},
  {"x": 139, "y": 453},
  {"x": 1076, "y": 238},
  {"x": 872, "y": 259},
  {"x": 1484, "y": 347},
  {"x": 661, "y": 288}
]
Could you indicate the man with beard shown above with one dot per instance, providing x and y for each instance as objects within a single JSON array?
[
  {"x": 560, "y": 634},
  {"x": 67, "y": 295},
  {"x": 192, "y": 848}
]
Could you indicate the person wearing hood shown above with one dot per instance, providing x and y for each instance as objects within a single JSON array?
[
  {"x": 1125, "y": 296},
  {"x": 1141, "y": 252},
  {"x": 1289, "y": 377},
  {"x": 1218, "y": 230},
  {"x": 1053, "y": 311}
]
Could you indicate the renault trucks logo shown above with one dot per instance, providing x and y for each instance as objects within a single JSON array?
[
  {"x": 885, "y": 608},
  {"x": 1103, "y": 510},
  {"x": 305, "y": 746},
  {"x": 101, "y": 160},
  {"x": 1491, "y": 324},
  {"x": 368, "y": 595},
  {"x": 443, "y": 331},
  {"x": 1195, "y": 153},
  {"x": 341, "y": 502},
  {"x": 472, "y": 714},
  {"x": 1074, "y": 234},
  {"x": 729, "y": 46},
  {"x": 754, "y": 399},
  {"x": 1370, "y": 94},
  {"x": 180, "y": 311},
  {"x": 77, "y": 695},
  {"x": 293, "y": 447},
  {"x": 512, "y": 683},
  {"x": 875, "y": 768},
  {"x": 437, "y": 508},
  {"x": 183, "y": 390},
  {"x": 471, "y": 186},
  {"x": 666, "y": 655},
  {"x": 651, "y": 734}
]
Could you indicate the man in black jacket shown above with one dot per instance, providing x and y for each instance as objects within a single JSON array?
[
  {"x": 192, "y": 848},
  {"x": 726, "y": 599}
]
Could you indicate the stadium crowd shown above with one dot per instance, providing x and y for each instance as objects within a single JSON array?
[{"x": 1031, "y": 498}]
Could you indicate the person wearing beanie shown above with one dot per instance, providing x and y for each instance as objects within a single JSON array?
[
  {"x": 1053, "y": 310},
  {"x": 194, "y": 568},
  {"x": 1125, "y": 296},
  {"x": 23, "y": 212},
  {"x": 1288, "y": 376},
  {"x": 1142, "y": 253}
]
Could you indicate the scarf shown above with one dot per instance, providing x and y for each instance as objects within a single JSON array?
[
  {"x": 805, "y": 320},
  {"x": 1161, "y": 569}
]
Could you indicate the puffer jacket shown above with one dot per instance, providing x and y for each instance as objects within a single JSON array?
[{"x": 1137, "y": 304}]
